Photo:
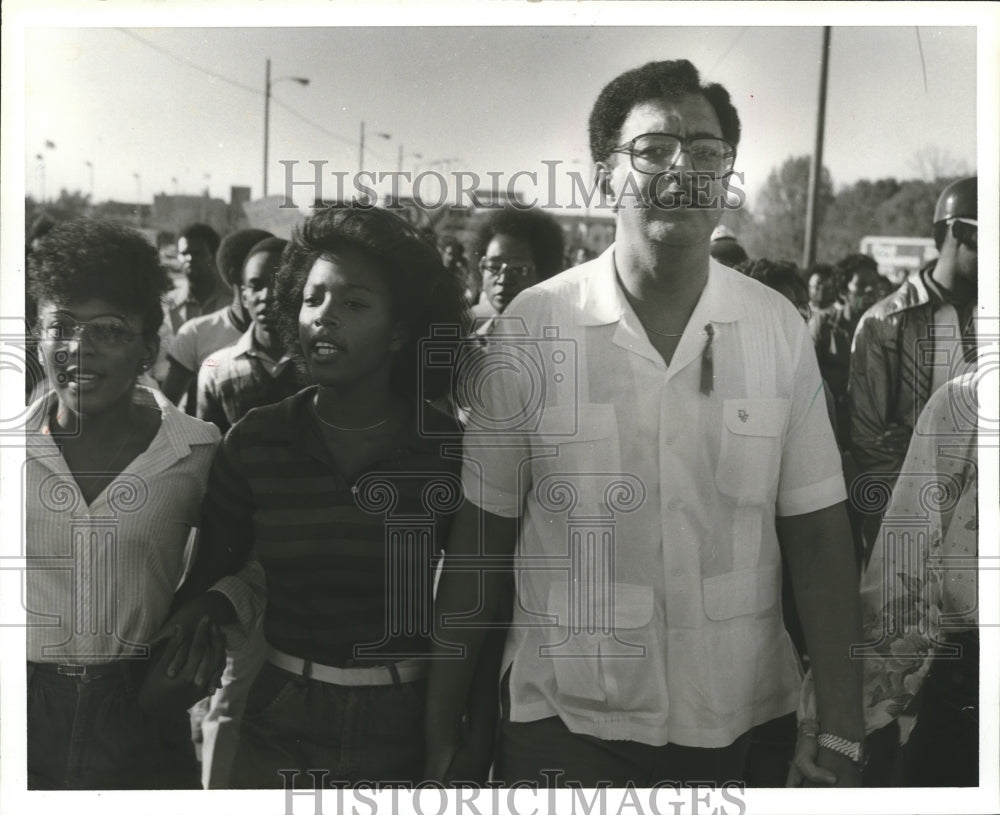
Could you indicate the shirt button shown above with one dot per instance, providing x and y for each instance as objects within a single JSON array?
[{"x": 354, "y": 490}]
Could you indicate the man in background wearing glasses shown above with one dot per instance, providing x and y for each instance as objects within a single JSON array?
[
  {"x": 635, "y": 474},
  {"x": 517, "y": 249}
]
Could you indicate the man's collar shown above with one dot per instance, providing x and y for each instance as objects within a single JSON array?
[
  {"x": 484, "y": 308},
  {"x": 605, "y": 301},
  {"x": 245, "y": 343}
]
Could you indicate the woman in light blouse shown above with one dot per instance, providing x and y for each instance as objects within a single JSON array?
[{"x": 114, "y": 481}]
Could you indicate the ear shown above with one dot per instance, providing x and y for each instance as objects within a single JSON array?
[{"x": 151, "y": 348}]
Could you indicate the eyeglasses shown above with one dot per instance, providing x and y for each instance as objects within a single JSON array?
[
  {"x": 966, "y": 233},
  {"x": 106, "y": 332},
  {"x": 518, "y": 271},
  {"x": 658, "y": 152}
]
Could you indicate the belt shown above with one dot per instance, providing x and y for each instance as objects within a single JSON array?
[
  {"x": 90, "y": 671},
  {"x": 393, "y": 673}
]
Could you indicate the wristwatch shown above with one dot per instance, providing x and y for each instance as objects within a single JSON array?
[{"x": 854, "y": 750}]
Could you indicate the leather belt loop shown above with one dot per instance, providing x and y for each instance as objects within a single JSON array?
[{"x": 394, "y": 672}]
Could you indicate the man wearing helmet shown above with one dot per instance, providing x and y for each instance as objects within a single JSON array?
[{"x": 913, "y": 341}]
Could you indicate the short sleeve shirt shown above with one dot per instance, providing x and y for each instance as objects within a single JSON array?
[
  {"x": 197, "y": 339},
  {"x": 648, "y": 570}
]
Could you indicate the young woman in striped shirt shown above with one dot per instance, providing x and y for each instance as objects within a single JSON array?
[{"x": 344, "y": 492}]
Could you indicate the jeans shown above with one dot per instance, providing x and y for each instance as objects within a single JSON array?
[
  {"x": 352, "y": 733},
  {"x": 88, "y": 732}
]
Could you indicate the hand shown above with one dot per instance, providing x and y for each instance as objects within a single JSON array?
[
  {"x": 166, "y": 689},
  {"x": 183, "y": 648},
  {"x": 473, "y": 753},
  {"x": 813, "y": 766},
  {"x": 896, "y": 438},
  {"x": 190, "y": 655}
]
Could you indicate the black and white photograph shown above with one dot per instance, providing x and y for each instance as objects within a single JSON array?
[{"x": 500, "y": 407}]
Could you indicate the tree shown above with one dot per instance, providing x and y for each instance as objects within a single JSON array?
[
  {"x": 741, "y": 221},
  {"x": 852, "y": 215},
  {"x": 781, "y": 211},
  {"x": 910, "y": 212},
  {"x": 933, "y": 163}
]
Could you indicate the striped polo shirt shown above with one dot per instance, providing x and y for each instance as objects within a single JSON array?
[{"x": 349, "y": 565}]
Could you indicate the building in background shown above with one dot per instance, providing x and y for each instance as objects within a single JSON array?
[{"x": 898, "y": 258}]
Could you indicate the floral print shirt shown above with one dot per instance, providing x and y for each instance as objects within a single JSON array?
[{"x": 920, "y": 584}]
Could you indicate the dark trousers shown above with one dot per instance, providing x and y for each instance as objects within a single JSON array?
[
  {"x": 943, "y": 748},
  {"x": 88, "y": 733},
  {"x": 347, "y": 733},
  {"x": 547, "y": 753}
]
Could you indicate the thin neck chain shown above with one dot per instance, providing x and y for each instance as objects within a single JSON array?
[
  {"x": 663, "y": 333},
  {"x": 349, "y": 429}
]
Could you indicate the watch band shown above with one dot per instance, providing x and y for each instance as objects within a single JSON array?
[{"x": 854, "y": 750}]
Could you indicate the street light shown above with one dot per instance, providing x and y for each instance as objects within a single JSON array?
[
  {"x": 41, "y": 176},
  {"x": 90, "y": 168},
  {"x": 411, "y": 155},
  {"x": 361, "y": 146},
  {"x": 268, "y": 82}
]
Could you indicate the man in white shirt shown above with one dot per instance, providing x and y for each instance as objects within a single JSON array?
[{"x": 640, "y": 451}]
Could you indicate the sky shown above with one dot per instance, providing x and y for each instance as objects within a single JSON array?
[{"x": 154, "y": 102}]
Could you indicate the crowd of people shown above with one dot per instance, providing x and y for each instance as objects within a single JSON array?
[{"x": 351, "y": 503}]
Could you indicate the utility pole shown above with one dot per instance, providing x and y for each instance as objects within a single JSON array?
[
  {"x": 361, "y": 149},
  {"x": 816, "y": 163},
  {"x": 267, "y": 117}
]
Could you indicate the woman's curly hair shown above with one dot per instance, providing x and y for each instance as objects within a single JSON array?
[
  {"x": 426, "y": 296},
  {"x": 86, "y": 258}
]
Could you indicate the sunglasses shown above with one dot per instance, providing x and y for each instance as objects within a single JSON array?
[{"x": 966, "y": 233}]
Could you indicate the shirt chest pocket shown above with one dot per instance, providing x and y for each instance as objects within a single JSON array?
[
  {"x": 578, "y": 457},
  {"x": 750, "y": 448}
]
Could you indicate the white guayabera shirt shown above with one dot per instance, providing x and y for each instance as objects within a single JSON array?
[{"x": 648, "y": 569}]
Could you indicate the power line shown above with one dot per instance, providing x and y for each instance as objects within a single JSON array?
[
  {"x": 185, "y": 61},
  {"x": 920, "y": 48},
  {"x": 732, "y": 45},
  {"x": 319, "y": 127},
  {"x": 236, "y": 84}
]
